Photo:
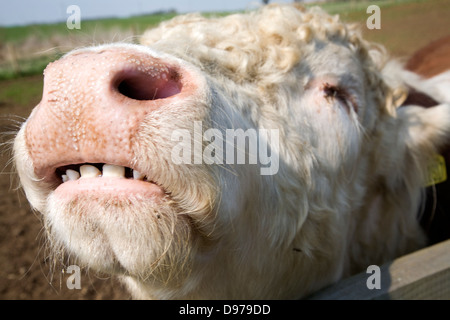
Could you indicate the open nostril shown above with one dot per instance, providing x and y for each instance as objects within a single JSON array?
[{"x": 139, "y": 85}]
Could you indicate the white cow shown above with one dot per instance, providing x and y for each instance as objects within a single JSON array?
[{"x": 258, "y": 155}]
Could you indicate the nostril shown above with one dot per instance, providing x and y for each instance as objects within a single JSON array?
[{"x": 138, "y": 85}]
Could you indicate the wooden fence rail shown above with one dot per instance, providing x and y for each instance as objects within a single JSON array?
[{"x": 424, "y": 274}]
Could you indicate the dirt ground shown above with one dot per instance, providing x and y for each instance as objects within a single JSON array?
[{"x": 24, "y": 266}]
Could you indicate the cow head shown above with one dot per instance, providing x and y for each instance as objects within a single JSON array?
[{"x": 259, "y": 155}]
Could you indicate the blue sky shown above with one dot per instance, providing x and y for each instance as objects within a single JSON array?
[{"x": 20, "y": 12}]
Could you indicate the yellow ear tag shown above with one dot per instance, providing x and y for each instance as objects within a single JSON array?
[{"x": 437, "y": 172}]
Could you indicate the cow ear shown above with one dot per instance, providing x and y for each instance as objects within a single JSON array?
[
  {"x": 409, "y": 144},
  {"x": 425, "y": 129},
  {"x": 415, "y": 97}
]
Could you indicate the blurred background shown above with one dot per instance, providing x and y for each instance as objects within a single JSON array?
[{"x": 32, "y": 34}]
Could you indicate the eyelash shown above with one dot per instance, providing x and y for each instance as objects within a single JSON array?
[{"x": 335, "y": 92}]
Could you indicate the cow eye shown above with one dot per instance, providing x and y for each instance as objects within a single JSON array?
[{"x": 340, "y": 95}]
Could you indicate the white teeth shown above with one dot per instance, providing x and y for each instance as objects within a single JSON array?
[
  {"x": 72, "y": 174},
  {"x": 88, "y": 171},
  {"x": 137, "y": 175},
  {"x": 110, "y": 170}
]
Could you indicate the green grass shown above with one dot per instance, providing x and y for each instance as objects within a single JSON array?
[
  {"x": 19, "y": 96},
  {"x": 20, "y": 93},
  {"x": 43, "y": 31},
  {"x": 34, "y": 64},
  {"x": 26, "y": 67},
  {"x": 90, "y": 29},
  {"x": 140, "y": 23},
  {"x": 349, "y": 10},
  {"x": 349, "y": 7}
]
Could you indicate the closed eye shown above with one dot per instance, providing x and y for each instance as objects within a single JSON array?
[{"x": 341, "y": 95}]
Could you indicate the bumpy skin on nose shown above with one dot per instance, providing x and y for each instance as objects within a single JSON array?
[{"x": 93, "y": 103}]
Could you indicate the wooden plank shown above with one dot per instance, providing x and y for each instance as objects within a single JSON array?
[{"x": 421, "y": 275}]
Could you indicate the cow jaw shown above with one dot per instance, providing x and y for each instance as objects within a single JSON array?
[{"x": 101, "y": 229}]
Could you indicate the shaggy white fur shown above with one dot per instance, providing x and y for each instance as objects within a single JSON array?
[{"x": 351, "y": 165}]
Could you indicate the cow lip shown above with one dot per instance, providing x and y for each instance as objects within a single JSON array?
[
  {"x": 110, "y": 188},
  {"x": 129, "y": 177}
]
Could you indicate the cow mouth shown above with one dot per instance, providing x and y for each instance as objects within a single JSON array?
[
  {"x": 98, "y": 178},
  {"x": 98, "y": 170}
]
